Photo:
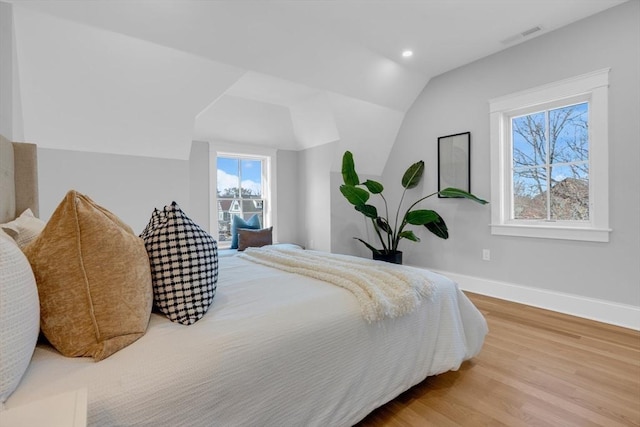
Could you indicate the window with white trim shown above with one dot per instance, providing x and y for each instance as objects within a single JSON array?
[
  {"x": 549, "y": 160},
  {"x": 244, "y": 183}
]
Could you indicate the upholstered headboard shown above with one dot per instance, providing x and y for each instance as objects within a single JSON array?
[{"x": 18, "y": 179}]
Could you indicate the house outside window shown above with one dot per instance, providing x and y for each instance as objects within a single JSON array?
[{"x": 549, "y": 161}]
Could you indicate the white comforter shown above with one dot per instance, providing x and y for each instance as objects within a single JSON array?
[
  {"x": 382, "y": 289},
  {"x": 275, "y": 349}
]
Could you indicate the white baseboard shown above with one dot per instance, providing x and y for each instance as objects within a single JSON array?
[{"x": 614, "y": 313}]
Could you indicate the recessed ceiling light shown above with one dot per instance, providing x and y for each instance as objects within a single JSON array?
[{"x": 407, "y": 53}]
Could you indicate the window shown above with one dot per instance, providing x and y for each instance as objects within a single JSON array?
[
  {"x": 549, "y": 161},
  {"x": 550, "y": 164},
  {"x": 245, "y": 186}
]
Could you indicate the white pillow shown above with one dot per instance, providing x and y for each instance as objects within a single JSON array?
[
  {"x": 6, "y": 236},
  {"x": 25, "y": 228},
  {"x": 19, "y": 316}
]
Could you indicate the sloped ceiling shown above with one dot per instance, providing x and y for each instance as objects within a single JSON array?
[{"x": 148, "y": 77}]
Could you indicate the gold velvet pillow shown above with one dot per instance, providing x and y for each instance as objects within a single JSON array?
[
  {"x": 248, "y": 238},
  {"x": 93, "y": 278}
]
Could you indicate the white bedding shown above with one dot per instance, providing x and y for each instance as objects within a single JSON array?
[
  {"x": 275, "y": 349},
  {"x": 382, "y": 289}
]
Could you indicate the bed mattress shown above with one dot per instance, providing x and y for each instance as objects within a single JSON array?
[{"x": 275, "y": 349}]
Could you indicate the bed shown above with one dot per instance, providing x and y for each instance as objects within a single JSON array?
[{"x": 274, "y": 349}]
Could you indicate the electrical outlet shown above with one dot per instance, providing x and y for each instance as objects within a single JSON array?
[{"x": 486, "y": 255}]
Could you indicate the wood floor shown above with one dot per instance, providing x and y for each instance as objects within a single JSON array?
[{"x": 537, "y": 368}]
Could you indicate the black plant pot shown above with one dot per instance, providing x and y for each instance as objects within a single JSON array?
[{"x": 392, "y": 257}]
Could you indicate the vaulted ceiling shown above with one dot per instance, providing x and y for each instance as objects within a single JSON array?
[{"x": 148, "y": 77}]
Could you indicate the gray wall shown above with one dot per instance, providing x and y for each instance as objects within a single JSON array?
[
  {"x": 314, "y": 166},
  {"x": 288, "y": 190},
  {"x": 128, "y": 186},
  {"x": 199, "y": 184},
  {"x": 10, "y": 102},
  {"x": 6, "y": 71},
  {"x": 458, "y": 101}
]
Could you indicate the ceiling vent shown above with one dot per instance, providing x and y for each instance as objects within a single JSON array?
[{"x": 522, "y": 35}]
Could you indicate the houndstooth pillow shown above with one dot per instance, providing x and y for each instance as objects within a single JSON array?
[
  {"x": 156, "y": 217},
  {"x": 184, "y": 264}
]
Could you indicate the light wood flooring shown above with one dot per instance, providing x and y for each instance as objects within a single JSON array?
[{"x": 537, "y": 368}]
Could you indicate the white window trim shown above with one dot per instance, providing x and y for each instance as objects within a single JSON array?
[
  {"x": 268, "y": 155},
  {"x": 592, "y": 86}
]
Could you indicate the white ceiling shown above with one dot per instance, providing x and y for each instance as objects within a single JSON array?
[
  {"x": 339, "y": 61},
  {"x": 260, "y": 34}
]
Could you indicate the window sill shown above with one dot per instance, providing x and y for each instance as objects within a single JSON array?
[{"x": 586, "y": 234}]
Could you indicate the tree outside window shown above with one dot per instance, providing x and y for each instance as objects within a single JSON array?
[{"x": 550, "y": 169}]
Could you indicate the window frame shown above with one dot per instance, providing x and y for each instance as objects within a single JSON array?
[
  {"x": 591, "y": 87},
  {"x": 269, "y": 164}
]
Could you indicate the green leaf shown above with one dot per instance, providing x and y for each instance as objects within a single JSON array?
[
  {"x": 371, "y": 248},
  {"x": 368, "y": 210},
  {"x": 408, "y": 234},
  {"x": 383, "y": 225},
  {"x": 349, "y": 174},
  {"x": 373, "y": 186},
  {"x": 412, "y": 176},
  {"x": 456, "y": 192},
  {"x": 356, "y": 196},
  {"x": 438, "y": 227},
  {"x": 421, "y": 217}
]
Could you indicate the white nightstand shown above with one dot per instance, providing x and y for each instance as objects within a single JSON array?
[{"x": 62, "y": 410}]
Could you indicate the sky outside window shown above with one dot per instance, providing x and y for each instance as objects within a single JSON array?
[{"x": 231, "y": 169}]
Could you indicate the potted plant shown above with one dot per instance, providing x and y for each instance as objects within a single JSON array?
[{"x": 391, "y": 232}]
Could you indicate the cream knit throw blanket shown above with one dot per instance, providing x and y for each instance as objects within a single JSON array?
[{"x": 383, "y": 290}]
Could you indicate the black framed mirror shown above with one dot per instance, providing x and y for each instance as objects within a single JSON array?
[{"x": 454, "y": 162}]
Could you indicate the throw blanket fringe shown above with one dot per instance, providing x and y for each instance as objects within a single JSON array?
[{"x": 382, "y": 290}]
